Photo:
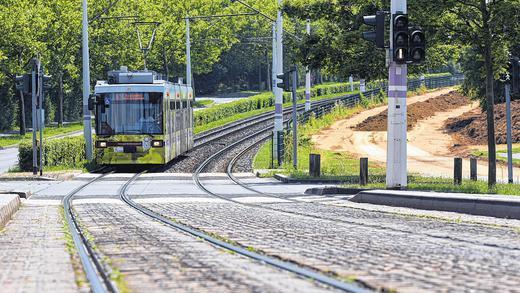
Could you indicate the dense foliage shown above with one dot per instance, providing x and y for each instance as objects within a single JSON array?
[{"x": 63, "y": 152}]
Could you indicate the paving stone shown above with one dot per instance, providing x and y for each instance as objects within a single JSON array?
[
  {"x": 381, "y": 249},
  {"x": 154, "y": 257},
  {"x": 33, "y": 254}
]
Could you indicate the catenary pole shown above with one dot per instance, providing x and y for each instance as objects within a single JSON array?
[
  {"x": 509, "y": 135},
  {"x": 294, "y": 77},
  {"x": 188, "y": 53},
  {"x": 87, "y": 124},
  {"x": 274, "y": 87},
  {"x": 308, "y": 77},
  {"x": 278, "y": 115},
  {"x": 396, "y": 165}
]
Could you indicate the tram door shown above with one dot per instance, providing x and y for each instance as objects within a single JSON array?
[{"x": 176, "y": 121}]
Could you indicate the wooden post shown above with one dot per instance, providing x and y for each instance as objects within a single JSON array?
[
  {"x": 363, "y": 171},
  {"x": 314, "y": 165},
  {"x": 457, "y": 174},
  {"x": 473, "y": 169}
]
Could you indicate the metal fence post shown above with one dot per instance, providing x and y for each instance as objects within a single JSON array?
[
  {"x": 457, "y": 171},
  {"x": 473, "y": 169},
  {"x": 314, "y": 165},
  {"x": 363, "y": 171}
]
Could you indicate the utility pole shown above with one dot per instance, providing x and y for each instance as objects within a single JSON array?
[
  {"x": 308, "y": 77},
  {"x": 294, "y": 115},
  {"x": 509, "y": 135},
  {"x": 41, "y": 117},
  {"x": 396, "y": 165},
  {"x": 188, "y": 52},
  {"x": 87, "y": 124},
  {"x": 274, "y": 87},
  {"x": 278, "y": 115}
]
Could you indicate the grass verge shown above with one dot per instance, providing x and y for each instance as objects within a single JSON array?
[
  {"x": 48, "y": 132},
  {"x": 484, "y": 156}
]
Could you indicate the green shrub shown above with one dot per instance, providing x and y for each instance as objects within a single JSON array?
[
  {"x": 63, "y": 152},
  {"x": 261, "y": 101}
]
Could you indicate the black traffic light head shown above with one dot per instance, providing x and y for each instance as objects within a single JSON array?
[
  {"x": 377, "y": 36},
  {"x": 417, "y": 46},
  {"x": 400, "y": 37},
  {"x": 23, "y": 83},
  {"x": 286, "y": 81},
  {"x": 46, "y": 80},
  {"x": 514, "y": 74}
]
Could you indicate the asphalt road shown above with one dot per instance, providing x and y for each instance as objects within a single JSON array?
[{"x": 8, "y": 159}]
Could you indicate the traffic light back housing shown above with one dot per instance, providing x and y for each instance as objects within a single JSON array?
[
  {"x": 286, "y": 81},
  {"x": 378, "y": 35}
]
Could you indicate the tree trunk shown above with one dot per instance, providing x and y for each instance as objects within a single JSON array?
[
  {"x": 60, "y": 101},
  {"x": 22, "y": 114},
  {"x": 490, "y": 98}
]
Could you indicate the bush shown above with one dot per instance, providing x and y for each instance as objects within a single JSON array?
[
  {"x": 63, "y": 152},
  {"x": 261, "y": 101}
]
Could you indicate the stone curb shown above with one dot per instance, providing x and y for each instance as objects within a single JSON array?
[
  {"x": 481, "y": 205},
  {"x": 27, "y": 178},
  {"x": 330, "y": 190},
  {"x": 9, "y": 204}
]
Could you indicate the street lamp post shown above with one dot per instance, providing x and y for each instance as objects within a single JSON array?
[{"x": 87, "y": 124}]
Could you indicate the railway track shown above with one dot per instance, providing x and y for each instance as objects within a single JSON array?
[{"x": 98, "y": 275}]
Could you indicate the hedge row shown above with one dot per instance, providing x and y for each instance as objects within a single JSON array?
[
  {"x": 64, "y": 152},
  {"x": 261, "y": 101}
]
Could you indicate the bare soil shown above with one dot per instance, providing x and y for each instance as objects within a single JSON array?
[
  {"x": 417, "y": 111},
  {"x": 471, "y": 127}
]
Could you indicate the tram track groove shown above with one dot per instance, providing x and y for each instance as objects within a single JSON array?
[
  {"x": 98, "y": 275},
  {"x": 271, "y": 261}
]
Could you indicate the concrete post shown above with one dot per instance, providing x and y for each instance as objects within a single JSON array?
[
  {"x": 396, "y": 165},
  {"x": 278, "y": 112},
  {"x": 362, "y": 86},
  {"x": 351, "y": 81},
  {"x": 87, "y": 123}
]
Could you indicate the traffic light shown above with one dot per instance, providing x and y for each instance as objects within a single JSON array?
[
  {"x": 400, "y": 38},
  {"x": 417, "y": 46},
  {"x": 46, "y": 82},
  {"x": 23, "y": 83},
  {"x": 286, "y": 81},
  {"x": 514, "y": 72},
  {"x": 377, "y": 36}
]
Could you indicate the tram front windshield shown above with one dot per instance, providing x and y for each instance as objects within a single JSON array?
[{"x": 129, "y": 113}]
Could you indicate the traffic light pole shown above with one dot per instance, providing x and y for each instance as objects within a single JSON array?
[
  {"x": 278, "y": 115},
  {"x": 308, "y": 77},
  {"x": 34, "y": 118},
  {"x": 87, "y": 123},
  {"x": 41, "y": 117},
  {"x": 396, "y": 165}
]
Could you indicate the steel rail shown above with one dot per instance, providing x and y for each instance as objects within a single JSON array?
[
  {"x": 97, "y": 276},
  {"x": 283, "y": 265}
]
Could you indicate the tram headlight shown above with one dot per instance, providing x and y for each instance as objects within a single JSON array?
[
  {"x": 157, "y": 143},
  {"x": 101, "y": 144}
]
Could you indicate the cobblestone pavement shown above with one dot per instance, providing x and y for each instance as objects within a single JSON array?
[
  {"x": 154, "y": 257},
  {"x": 410, "y": 254},
  {"x": 33, "y": 256}
]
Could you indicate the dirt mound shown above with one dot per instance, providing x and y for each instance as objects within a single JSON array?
[
  {"x": 471, "y": 127},
  {"x": 417, "y": 111}
]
